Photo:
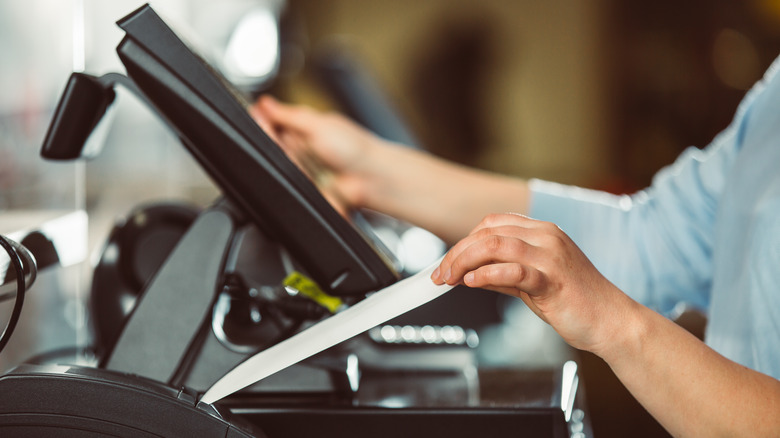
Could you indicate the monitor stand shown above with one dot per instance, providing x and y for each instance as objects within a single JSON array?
[{"x": 176, "y": 331}]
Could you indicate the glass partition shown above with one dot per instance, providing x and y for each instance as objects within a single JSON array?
[{"x": 42, "y": 204}]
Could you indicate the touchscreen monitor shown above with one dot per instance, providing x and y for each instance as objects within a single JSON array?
[{"x": 251, "y": 170}]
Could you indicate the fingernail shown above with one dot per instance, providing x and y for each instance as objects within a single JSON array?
[
  {"x": 468, "y": 278},
  {"x": 447, "y": 275},
  {"x": 435, "y": 275}
]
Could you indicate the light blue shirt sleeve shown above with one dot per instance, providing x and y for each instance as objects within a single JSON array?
[
  {"x": 705, "y": 233},
  {"x": 657, "y": 244}
]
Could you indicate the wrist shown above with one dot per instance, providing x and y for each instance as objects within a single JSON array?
[
  {"x": 623, "y": 332},
  {"x": 373, "y": 176},
  {"x": 356, "y": 170}
]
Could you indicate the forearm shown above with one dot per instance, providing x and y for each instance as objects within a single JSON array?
[
  {"x": 442, "y": 197},
  {"x": 688, "y": 387},
  {"x": 358, "y": 169}
]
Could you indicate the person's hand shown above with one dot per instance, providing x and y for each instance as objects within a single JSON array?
[
  {"x": 537, "y": 262},
  {"x": 326, "y": 146}
]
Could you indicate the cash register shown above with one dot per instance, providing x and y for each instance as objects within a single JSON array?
[{"x": 267, "y": 259}]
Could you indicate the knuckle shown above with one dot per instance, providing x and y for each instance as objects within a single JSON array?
[
  {"x": 555, "y": 237},
  {"x": 484, "y": 233},
  {"x": 494, "y": 243},
  {"x": 491, "y": 219},
  {"x": 549, "y": 227},
  {"x": 557, "y": 241}
]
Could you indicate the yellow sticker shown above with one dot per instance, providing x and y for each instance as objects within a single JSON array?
[{"x": 309, "y": 288}]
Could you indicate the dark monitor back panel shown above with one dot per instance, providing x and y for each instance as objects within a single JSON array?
[{"x": 250, "y": 169}]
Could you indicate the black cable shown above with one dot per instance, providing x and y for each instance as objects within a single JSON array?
[
  {"x": 28, "y": 262},
  {"x": 16, "y": 260}
]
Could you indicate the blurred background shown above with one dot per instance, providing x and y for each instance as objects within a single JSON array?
[{"x": 600, "y": 94}]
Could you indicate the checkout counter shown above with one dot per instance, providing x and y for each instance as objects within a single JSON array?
[{"x": 221, "y": 291}]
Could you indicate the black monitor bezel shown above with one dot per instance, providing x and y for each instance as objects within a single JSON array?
[{"x": 251, "y": 170}]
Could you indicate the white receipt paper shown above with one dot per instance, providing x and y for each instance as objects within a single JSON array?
[{"x": 381, "y": 306}]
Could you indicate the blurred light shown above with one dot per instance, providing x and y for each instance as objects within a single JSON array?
[
  {"x": 389, "y": 333},
  {"x": 253, "y": 49},
  {"x": 449, "y": 334},
  {"x": 735, "y": 59},
  {"x": 429, "y": 334},
  {"x": 79, "y": 45},
  {"x": 421, "y": 248},
  {"x": 472, "y": 339},
  {"x": 389, "y": 238},
  {"x": 127, "y": 303},
  {"x": 569, "y": 384},
  {"x": 408, "y": 333},
  {"x": 395, "y": 402},
  {"x": 69, "y": 236},
  {"x": 111, "y": 254},
  {"x": 353, "y": 372},
  {"x": 255, "y": 315}
]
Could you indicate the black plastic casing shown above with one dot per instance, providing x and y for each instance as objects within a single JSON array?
[
  {"x": 68, "y": 401},
  {"x": 251, "y": 170},
  {"x": 82, "y": 105}
]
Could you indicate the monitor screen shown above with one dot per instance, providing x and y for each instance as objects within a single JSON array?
[{"x": 252, "y": 171}]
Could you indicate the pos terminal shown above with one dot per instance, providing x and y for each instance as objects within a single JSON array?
[{"x": 190, "y": 325}]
